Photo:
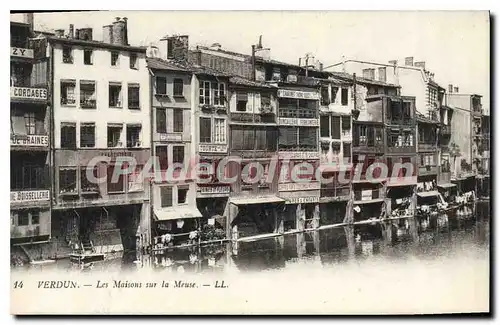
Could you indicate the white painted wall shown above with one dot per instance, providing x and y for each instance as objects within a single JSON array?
[{"x": 102, "y": 72}]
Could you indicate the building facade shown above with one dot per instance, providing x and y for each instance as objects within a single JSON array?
[
  {"x": 101, "y": 124},
  {"x": 30, "y": 196}
]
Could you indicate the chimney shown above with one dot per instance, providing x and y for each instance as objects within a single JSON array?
[
  {"x": 321, "y": 66},
  {"x": 119, "y": 32},
  {"x": 420, "y": 64},
  {"x": 175, "y": 47},
  {"x": 107, "y": 34},
  {"x": 450, "y": 89},
  {"x": 125, "y": 30},
  {"x": 71, "y": 31},
  {"x": 28, "y": 18},
  {"x": 85, "y": 34},
  {"x": 300, "y": 61},
  {"x": 152, "y": 51},
  {"x": 456, "y": 90},
  {"x": 59, "y": 32},
  {"x": 409, "y": 61}
]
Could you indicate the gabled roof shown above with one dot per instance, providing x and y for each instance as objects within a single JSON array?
[
  {"x": 74, "y": 41},
  {"x": 159, "y": 64},
  {"x": 184, "y": 66}
]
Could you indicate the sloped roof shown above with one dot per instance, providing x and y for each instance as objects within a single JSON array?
[
  {"x": 184, "y": 66},
  {"x": 93, "y": 43},
  {"x": 350, "y": 77},
  {"x": 236, "y": 80},
  {"x": 159, "y": 64}
]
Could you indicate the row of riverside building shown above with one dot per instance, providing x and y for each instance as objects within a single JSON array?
[{"x": 74, "y": 98}]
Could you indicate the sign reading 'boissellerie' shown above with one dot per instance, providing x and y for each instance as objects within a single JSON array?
[{"x": 29, "y": 196}]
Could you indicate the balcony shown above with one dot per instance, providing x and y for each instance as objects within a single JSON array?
[
  {"x": 401, "y": 149},
  {"x": 28, "y": 94},
  {"x": 370, "y": 147},
  {"x": 407, "y": 122},
  {"x": 253, "y": 118},
  {"x": 427, "y": 146},
  {"x": 334, "y": 194},
  {"x": 29, "y": 142},
  {"x": 368, "y": 196},
  {"x": 427, "y": 170},
  {"x": 298, "y": 113}
]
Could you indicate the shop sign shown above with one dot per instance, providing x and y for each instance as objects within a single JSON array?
[
  {"x": 214, "y": 148},
  {"x": 214, "y": 190},
  {"x": 302, "y": 200},
  {"x": 21, "y": 53},
  {"x": 298, "y": 121},
  {"x": 366, "y": 195},
  {"x": 29, "y": 140},
  {"x": 170, "y": 137},
  {"x": 29, "y": 196},
  {"x": 298, "y": 186},
  {"x": 284, "y": 93},
  {"x": 298, "y": 155},
  {"x": 28, "y": 93}
]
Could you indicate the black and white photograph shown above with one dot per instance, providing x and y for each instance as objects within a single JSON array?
[{"x": 250, "y": 162}]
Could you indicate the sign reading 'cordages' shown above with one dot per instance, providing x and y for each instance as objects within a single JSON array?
[{"x": 28, "y": 93}]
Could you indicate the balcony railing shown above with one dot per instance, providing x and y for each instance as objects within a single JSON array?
[
  {"x": 427, "y": 170},
  {"x": 401, "y": 149},
  {"x": 367, "y": 195},
  {"x": 253, "y": 118},
  {"x": 332, "y": 193},
  {"x": 298, "y": 113},
  {"x": 422, "y": 146}
]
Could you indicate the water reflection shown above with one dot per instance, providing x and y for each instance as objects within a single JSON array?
[{"x": 315, "y": 248}]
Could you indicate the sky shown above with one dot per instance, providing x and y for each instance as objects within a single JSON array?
[{"x": 454, "y": 44}]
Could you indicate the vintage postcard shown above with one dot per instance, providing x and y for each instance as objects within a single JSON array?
[{"x": 258, "y": 162}]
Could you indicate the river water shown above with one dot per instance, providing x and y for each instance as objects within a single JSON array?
[{"x": 312, "y": 272}]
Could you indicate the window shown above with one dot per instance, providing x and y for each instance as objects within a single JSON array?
[
  {"x": 24, "y": 177},
  {"x": 336, "y": 127},
  {"x": 35, "y": 217},
  {"x": 87, "y": 185},
  {"x": 119, "y": 185},
  {"x": 325, "y": 100},
  {"x": 408, "y": 139},
  {"x": 67, "y": 54},
  {"x": 87, "y": 135},
  {"x": 161, "y": 120},
  {"x": 324, "y": 122},
  {"x": 265, "y": 101},
  {"x": 23, "y": 218},
  {"x": 307, "y": 138},
  {"x": 166, "y": 196},
  {"x": 68, "y": 96},
  {"x": 369, "y": 74},
  {"x": 133, "y": 61},
  {"x": 133, "y": 96},
  {"x": 136, "y": 180},
  {"x": 363, "y": 135},
  {"x": 219, "y": 94},
  {"x": 162, "y": 154},
  {"x": 133, "y": 136},
  {"x": 346, "y": 151},
  {"x": 87, "y": 94},
  {"x": 288, "y": 138},
  {"x": 205, "y": 129},
  {"x": 346, "y": 123},
  {"x": 344, "y": 97},
  {"x": 333, "y": 94},
  {"x": 204, "y": 93},
  {"x": 115, "y": 56},
  {"x": 67, "y": 180},
  {"x": 68, "y": 135},
  {"x": 219, "y": 130},
  {"x": 178, "y": 154},
  {"x": 114, "y": 135},
  {"x": 30, "y": 123},
  {"x": 87, "y": 57},
  {"x": 241, "y": 101},
  {"x": 178, "y": 119},
  {"x": 178, "y": 88},
  {"x": 161, "y": 86},
  {"x": 181, "y": 195},
  {"x": 115, "y": 95},
  {"x": 406, "y": 110},
  {"x": 382, "y": 74}
]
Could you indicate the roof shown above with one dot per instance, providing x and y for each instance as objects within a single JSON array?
[
  {"x": 184, "y": 66},
  {"x": 350, "y": 77},
  {"x": 235, "y": 80},
  {"x": 223, "y": 51},
  {"x": 178, "y": 212},
  {"x": 159, "y": 64},
  {"x": 74, "y": 41},
  {"x": 435, "y": 84},
  {"x": 422, "y": 118}
]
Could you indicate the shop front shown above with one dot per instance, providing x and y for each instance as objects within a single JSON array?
[
  {"x": 176, "y": 226},
  {"x": 255, "y": 215},
  {"x": 302, "y": 206}
]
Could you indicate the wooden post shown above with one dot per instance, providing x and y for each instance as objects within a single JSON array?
[{"x": 351, "y": 245}]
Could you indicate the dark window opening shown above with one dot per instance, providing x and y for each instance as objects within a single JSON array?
[
  {"x": 68, "y": 136},
  {"x": 115, "y": 95},
  {"x": 205, "y": 130},
  {"x": 178, "y": 88},
  {"x": 117, "y": 186},
  {"x": 344, "y": 101},
  {"x": 67, "y": 181},
  {"x": 166, "y": 196},
  {"x": 178, "y": 119},
  {"x": 133, "y": 136},
  {"x": 67, "y": 54},
  {"x": 161, "y": 120},
  {"x": 133, "y": 97},
  {"x": 87, "y": 135},
  {"x": 114, "y": 58},
  {"x": 181, "y": 195},
  {"x": 87, "y": 57},
  {"x": 114, "y": 135}
]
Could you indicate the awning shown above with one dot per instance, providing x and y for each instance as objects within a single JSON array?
[
  {"x": 447, "y": 185},
  {"x": 173, "y": 213},
  {"x": 256, "y": 200},
  {"x": 428, "y": 194}
]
